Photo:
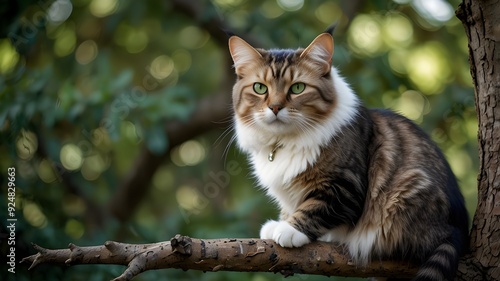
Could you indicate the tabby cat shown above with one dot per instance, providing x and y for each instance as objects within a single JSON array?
[{"x": 370, "y": 179}]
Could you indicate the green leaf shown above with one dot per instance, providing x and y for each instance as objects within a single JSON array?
[
  {"x": 156, "y": 139},
  {"x": 179, "y": 102},
  {"x": 121, "y": 81},
  {"x": 111, "y": 124},
  {"x": 76, "y": 110},
  {"x": 3, "y": 117}
]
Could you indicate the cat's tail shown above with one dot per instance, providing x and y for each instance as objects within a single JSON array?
[{"x": 442, "y": 264}]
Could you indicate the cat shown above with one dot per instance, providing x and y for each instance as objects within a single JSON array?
[{"x": 367, "y": 178}]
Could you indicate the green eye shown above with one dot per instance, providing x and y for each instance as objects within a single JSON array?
[
  {"x": 297, "y": 88},
  {"x": 259, "y": 88}
]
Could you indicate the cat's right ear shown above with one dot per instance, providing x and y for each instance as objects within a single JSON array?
[
  {"x": 242, "y": 53},
  {"x": 320, "y": 51}
]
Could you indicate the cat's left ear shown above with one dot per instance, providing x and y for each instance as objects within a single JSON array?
[
  {"x": 242, "y": 53},
  {"x": 321, "y": 51}
]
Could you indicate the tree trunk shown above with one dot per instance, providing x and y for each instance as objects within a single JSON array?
[{"x": 481, "y": 20}]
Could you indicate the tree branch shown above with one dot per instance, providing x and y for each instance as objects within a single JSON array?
[{"x": 244, "y": 255}]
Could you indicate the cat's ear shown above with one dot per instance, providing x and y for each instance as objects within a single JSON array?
[
  {"x": 242, "y": 53},
  {"x": 320, "y": 51}
]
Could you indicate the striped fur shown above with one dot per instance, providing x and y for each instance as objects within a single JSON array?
[{"x": 370, "y": 179}]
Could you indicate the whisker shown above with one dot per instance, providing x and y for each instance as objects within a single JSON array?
[
  {"x": 225, "y": 153},
  {"x": 223, "y": 135}
]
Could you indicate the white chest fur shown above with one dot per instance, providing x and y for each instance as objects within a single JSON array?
[{"x": 277, "y": 176}]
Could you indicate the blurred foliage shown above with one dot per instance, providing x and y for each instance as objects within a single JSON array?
[{"x": 85, "y": 84}]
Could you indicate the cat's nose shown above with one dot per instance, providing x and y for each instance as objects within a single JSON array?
[{"x": 275, "y": 108}]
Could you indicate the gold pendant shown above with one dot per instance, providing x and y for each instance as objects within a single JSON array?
[{"x": 271, "y": 155}]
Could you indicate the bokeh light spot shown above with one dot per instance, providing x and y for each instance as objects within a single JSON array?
[
  {"x": 192, "y": 152},
  {"x": 328, "y": 12},
  {"x": 8, "y": 56},
  {"x": 291, "y": 5},
  {"x": 270, "y": 9},
  {"x": 427, "y": 67},
  {"x": 188, "y": 198},
  {"x": 59, "y": 11},
  {"x": 182, "y": 60},
  {"x": 163, "y": 178},
  {"x": 434, "y": 10},
  {"x": 46, "y": 172},
  {"x": 74, "y": 228},
  {"x": 102, "y": 8},
  {"x": 193, "y": 37},
  {"x": 459, "y": 160},
  {"x": 161, "y": 67},
  {"x": 365, "y": 35},
  {"x": 33, "y": 215},
  {"x": 26, "y": 145},
  {"x": 397, "y": 59},
  {"x": 65, "y": 42},
  {"x": 228, "y": 3},
  {"x": 86, "y": 52},
  {"x": 189, "y": 153},
  {"x": 137, "y": 40},
  {"x": 71, "y": 157},
  {"x": 132, "y": 38},
  {"x": 413, "y": 105},
  {"x": 398, "y": 30},
  {"x": 93, "y": 166}
]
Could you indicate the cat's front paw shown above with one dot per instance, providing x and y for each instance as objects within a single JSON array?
[{"x": 284, "y": 234}]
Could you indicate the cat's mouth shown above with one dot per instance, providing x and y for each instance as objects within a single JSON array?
[
  {"x": 278, "y": 125},
  {"x": 275, "y": 120}
]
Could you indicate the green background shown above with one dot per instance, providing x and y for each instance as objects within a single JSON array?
[{"x": 87, "y": 85}]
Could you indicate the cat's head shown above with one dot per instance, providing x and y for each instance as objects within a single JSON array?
[{"x": 283, "y": 91}]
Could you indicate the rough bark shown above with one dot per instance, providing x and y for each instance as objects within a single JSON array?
[
  {"x": 220, "y": 254},
  {"x": 482, "y": 25}
]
